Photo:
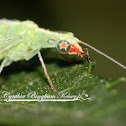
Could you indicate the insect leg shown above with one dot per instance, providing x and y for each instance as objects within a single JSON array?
[
  {"x": 45, "y": 71},
  {"x": 30, "y": 54},
  {"x": 87, "y": 54},
  {"x": 3, "y": 64}
]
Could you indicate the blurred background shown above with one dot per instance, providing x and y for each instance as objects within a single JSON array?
[{"x": 102, "y": 24}]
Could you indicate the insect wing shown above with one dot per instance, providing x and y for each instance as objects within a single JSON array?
[{"x": 8, "y": 37}]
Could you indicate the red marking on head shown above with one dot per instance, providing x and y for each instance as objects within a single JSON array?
[
  {"x": 77, "y": 51},
  {"x": 74, "y": 49}
]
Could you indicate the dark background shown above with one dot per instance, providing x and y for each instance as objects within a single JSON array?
[{"x": 99, "y": 23}]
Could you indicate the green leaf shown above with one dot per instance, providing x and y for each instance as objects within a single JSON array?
[{"x": 106, "y": 108}]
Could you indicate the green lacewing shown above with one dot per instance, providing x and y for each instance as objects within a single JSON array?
[{"x": 21, "y": 40}]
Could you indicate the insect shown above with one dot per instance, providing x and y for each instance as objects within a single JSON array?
[{"x": 21, "y": 40}]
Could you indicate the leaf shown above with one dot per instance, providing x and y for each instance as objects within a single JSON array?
[{"x": 106, "y": 108}]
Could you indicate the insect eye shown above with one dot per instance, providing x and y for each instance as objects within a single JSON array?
[{"x": 63, "y": 46}]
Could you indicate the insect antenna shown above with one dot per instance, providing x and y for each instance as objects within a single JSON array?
[
  {"x": 108, "y": 57},
  {"x": 4, "y": 62}
]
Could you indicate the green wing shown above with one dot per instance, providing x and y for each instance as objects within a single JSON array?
[
  {"x": 8, "y": 38},
  {"x": 7, "y": 42}
]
